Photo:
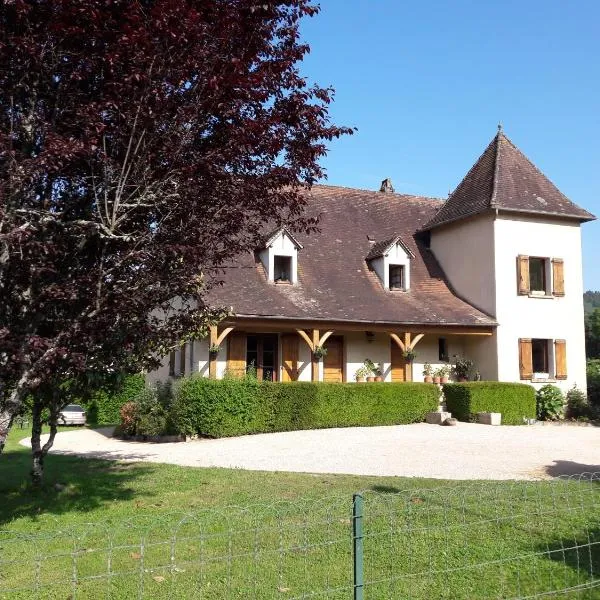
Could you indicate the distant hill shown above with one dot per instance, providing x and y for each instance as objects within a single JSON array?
[{"x": 591, "y": 300}]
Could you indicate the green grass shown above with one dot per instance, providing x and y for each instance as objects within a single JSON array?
[{"x": 161, "y": 531}]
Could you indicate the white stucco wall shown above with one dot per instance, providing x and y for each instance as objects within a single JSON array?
[
  {"x": 530, "y": 317},
  {"x": 396, "y": 256},
  {"x": 282, "y": 245}
]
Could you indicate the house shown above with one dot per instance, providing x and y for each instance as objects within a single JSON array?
[{"x": 493, "y": 274}]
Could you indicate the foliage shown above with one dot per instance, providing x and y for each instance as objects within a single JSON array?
[
  {"x": 515, "y": 401},
  {"x": 593, "y": 382},
  {"x": 104, "y": 407},
  {"x": 409, "y": 355},
  {"x": 591, "y": 300},
  {"x": 550, "y": 402},
  {"x": 592, "y": 334},
  {"x": 149, "y": 413},
  {"x": 462, "y": 367},
  {"x": 119, "y": 122},
  {"x": 427, "y": 370},
  {"x": 320, "y": 351},
  {"x": 228, "y": 407},
  {"x": 214, "y": 349},
  {"x": 361, "y": 372},
  {"x": 577, "y": 404},
  {"x": 372, "y": 368}
]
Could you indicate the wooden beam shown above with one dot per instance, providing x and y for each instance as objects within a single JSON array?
[
  {"x": 398, "y": 341},
  {"x": 212, "y": 359},
  {"x": 314, "y": 361},
  {"x": 417, "y": 339},
  {"x": 305, "y": 337},
  {"x": 223, "y": 335},
  {"x": 407, "y": 364},
  {"x": 325, "y": 337}
]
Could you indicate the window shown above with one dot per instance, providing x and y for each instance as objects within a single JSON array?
[
  {"x": 396, "y": 277},
  {"x": 282, "y": 269},
  {"x": 539, "y": 356},
  {"x": 537, "y": 275},
  {"x": 261, "y": 354},
  {"x": 442, "y": 349}
]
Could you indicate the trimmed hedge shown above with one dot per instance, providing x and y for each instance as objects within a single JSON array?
[
  {"x": 513, "y": 400},
  {"x": 104, "y": 407},
  {"x": 229, "y": 407},
  {"x": 593, "y": 382}
]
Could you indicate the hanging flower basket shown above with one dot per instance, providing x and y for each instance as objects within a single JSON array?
[
  {"x": 409, "y": 355},
  {"x": 214, "y": 349},
  {"x": 320, "y": 352}
]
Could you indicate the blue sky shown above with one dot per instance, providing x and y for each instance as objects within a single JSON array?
[{"x": 426, "y": 84}]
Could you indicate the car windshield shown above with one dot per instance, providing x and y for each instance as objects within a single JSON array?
[{"x": 72, "y": 408}]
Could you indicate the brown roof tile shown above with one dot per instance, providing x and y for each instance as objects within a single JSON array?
[
  {"x": 505, "y": 179},
  {"x": 335, "y": 282}
]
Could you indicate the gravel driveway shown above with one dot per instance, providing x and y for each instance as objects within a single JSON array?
[{"x": 468, "y": 451}]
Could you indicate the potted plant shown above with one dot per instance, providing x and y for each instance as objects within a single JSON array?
[
  {"x": 379, "y": 372},
  {"x": 409, "y": 355},
  {"x": 361, "y": 374},
  {"x": 437, "y": 376},
  {"x": 213, "y": 350},
  {"x": 444, "y": 371},
  {"x": 320, "y": 352},
  {"x": 373, "y": 370},
  {"x": 428, "y": 373},
  {"x": 461, "y": 368}
]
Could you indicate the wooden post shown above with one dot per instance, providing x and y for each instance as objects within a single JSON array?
[
  {"x": 407, "y": 364},
  {"x": 314, "y": 359},
  {"x": 212, "y": 358}
]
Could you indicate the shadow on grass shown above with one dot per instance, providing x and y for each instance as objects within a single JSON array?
[
  {"x": 385, "y": 489},
  {"x": 568, "y": 467},
  {"x": 85, "y": 485},
  {"x": 581, "y": 553}
]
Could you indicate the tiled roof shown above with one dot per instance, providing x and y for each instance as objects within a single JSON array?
[
  {"x": 505, "y": 179},
  {"x": 382, "y": 248},
  {"x": 335, "y": 281}
]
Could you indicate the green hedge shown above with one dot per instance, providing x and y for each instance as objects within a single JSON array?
[
  {"x": 231, "y": 407},
  {"x": 104, "y": 407},
  {"x": 513, "y": 400},
  {"x": 593, "y": 382}
]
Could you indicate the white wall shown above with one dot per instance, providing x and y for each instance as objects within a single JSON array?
[
  {"x": 282, "y": 245},
  {"x": 531, "y": 317},
  {"x": 396, "y": 256}
]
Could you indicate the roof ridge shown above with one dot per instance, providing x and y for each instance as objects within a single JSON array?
[
  {"x": 498, "y": 139},
  {"x": 378, "y": 193}
]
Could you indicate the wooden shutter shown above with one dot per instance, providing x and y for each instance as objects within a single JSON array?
[
  {"x": 172, "y": 363},
  {"x": 560, "y": 359},
  {"x": 558, "y": 277},
  {"x": 525, "y": 359},
  {"x": 523, "y": 275},
  {"x": 236, "y": 354},
  {"x": 289, "y": 357}
]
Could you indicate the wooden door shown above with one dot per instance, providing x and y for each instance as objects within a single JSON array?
[
  {"x": 333, "y": 363},
  {"x": 398, "y": 362},
  {"x": 236, "y": 354},
  {"x": 289, "y": 356}
]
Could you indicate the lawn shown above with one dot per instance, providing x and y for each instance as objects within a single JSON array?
[{"x": 119, "y": 530}]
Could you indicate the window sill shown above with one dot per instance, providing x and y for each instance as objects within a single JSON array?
[
  {"x": 543, "y": 380},
  {"x": 543, "y": 296}
]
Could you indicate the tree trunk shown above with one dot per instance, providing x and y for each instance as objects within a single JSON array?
[
  {"x": 38, "y": 451},
  {"x": 10, "y": 409}
]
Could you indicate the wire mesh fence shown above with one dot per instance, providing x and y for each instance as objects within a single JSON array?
[{"x": 475, "y": 540}]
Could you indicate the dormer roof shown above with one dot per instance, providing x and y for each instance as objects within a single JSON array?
[
  {"x": 382, "y": 248},
  {"x": 272, "y": 235},
  {"x": 503, "y": 178}
]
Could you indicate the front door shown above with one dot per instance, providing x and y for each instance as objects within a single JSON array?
[
  {"x": 333, "y": 362},
  {"x": 289, "y": 356},
  {"x": 398, "y": 362}
]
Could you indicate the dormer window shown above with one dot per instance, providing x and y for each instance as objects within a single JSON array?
[
  {"x": 279, "y": 256},
  {"x": 390, "y": 259},
  {"x": 282, "y": 269},
  {"x": 396, "y": 277}
]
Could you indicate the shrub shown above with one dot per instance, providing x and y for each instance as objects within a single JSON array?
[
  {"x": 593, "y": 382},
  {"x": 128, "y": 414},
  {"x": 228, "y": 407},
  {"x": 149, "y": 413},
  {"x": 550, "y": 402},
  {"x": 104, "y": 408},
  {"x": 577, "y": 404},
  {"x": 515, "y": 401}
]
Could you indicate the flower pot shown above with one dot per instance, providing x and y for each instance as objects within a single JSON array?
[
  {"x": 371, "y": 378},
  {"x": 378, "y": 378},
  {"x": 360, "y": 380},
  {"x": 428, "y": 379},
  {"x": 444, "y": 380},
  {"x": 436, "y": 380}
]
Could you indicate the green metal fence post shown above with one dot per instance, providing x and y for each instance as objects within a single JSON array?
[{"x": 357, "y": 546}]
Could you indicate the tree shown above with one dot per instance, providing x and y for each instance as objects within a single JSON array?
[
  {"x": 142, "y": 144},
  {"x": 592, "y": 334}
]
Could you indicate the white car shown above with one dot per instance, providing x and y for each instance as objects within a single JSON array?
[{"x": 72, "y": 414}]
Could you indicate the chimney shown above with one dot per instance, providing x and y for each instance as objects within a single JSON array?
[{"x": 386, "y": 186}]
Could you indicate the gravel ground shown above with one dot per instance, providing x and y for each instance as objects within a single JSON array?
[{"x": 468, "y": 451}]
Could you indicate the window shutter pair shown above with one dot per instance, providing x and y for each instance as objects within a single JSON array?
[
  {"x": 236, "y": 355},
  {"x": 558, "y": 276},
  {"x": 526, "y": 359}
]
